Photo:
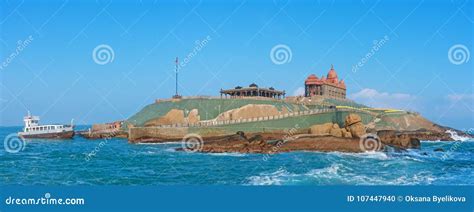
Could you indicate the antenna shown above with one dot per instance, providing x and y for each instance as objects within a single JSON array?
[
  {"x": 176, "y": 76},
  {"x": 176, "y": 95}
]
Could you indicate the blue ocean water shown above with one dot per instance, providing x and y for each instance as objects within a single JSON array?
[{"x": 116, "y": 162}]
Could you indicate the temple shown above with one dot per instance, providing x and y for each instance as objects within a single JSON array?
[
  {"x": 328, "y": 86},
  {"x": 252, "y": 91}
]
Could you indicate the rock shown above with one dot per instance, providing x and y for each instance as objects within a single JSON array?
[
  {"x": 335, "y": 126},
  {"x": 249, "y": 111},
  {"x": 398, "y": 139},
  {"x": 354, "y": 125},
  {"x": 321, "y": 129},
  {"x": 357, "y": 130},
  {"x": 351, "y": 119},
  {"x": 174, "y": 116},
  {"x": 336, "y": 132},
  {"x": 193, "y": 116},
  {"x": 439, "y": 150},
  {"x": 345, "y": 133},
  {"x": 237, "y": 143}
]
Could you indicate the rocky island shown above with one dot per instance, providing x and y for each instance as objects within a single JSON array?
[{"x": 262, "y": 120}]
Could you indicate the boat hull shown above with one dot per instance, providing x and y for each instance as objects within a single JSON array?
[{"x": 53, "y": 135}]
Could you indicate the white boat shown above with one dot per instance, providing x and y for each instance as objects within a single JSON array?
[{"x": 33, "y": 129}]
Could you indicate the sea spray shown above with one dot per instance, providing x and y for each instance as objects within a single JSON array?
[{"x": 456, "y": 137}]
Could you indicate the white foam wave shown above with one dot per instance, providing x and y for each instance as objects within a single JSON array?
[
  {"x": 170, "y": 150},
  {"x": 456, "y": 137},
  {"x": 274, "y": 178},
  {"x": 338, "y": 174},
  {"x": 372, "y": 155},
  {"x": 231, "y": 154}
]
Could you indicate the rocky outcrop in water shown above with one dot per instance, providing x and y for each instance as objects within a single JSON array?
[
  {"x": 257, "y": 143},
  {"x": 399, "y": 139}
]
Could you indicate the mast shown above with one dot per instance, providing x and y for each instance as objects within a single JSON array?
[{"x": 176, "y": 72}]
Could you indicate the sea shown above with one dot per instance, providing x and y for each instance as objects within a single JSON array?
[{"x": 79, "y": 161}]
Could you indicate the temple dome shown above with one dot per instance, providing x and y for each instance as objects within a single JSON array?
[
  {"x": 332, "y": 73},
  {"x": 253, "y": 85},
  {"x": 312, "y": 77}
]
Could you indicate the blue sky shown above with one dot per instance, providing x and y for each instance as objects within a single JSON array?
[{"x": 52, "y": 72}]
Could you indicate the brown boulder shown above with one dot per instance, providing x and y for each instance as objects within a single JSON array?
[
  {"x": 321, "y": 129},
  {"x": 335, "y": 132},
  {"x": 193, "y": 116},
  {"x": 174, "y": 116},
  {"x": 345, "y": 133},
  {"x": 249, "y": 111},
  {"x": 399, "y": 139},
  {"x": 357, "y": 130},
  {"x": 351, "y": 119}
]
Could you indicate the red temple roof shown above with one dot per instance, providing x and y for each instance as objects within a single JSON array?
[{"x": 331, "y": 79}]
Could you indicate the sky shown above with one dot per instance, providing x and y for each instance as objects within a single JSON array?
[{"x": 100, "y": 61}]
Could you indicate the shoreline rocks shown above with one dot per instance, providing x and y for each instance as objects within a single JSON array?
[
  {"x": 353, "y": 128},
  {"x": 240, "y": 143}
]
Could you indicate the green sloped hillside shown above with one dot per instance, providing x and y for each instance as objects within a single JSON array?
[{"x": 208, "y": 108}]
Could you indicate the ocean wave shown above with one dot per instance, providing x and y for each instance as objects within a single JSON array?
[
  {"x": 170, "y": 150},
  {"x": 370, "y": 155},
  {"x": 456, "y": 137},
  {"x": 231, "y": 154},
  {"x": 337, "y": 174},
  {"x": 274, "y": 178}
]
